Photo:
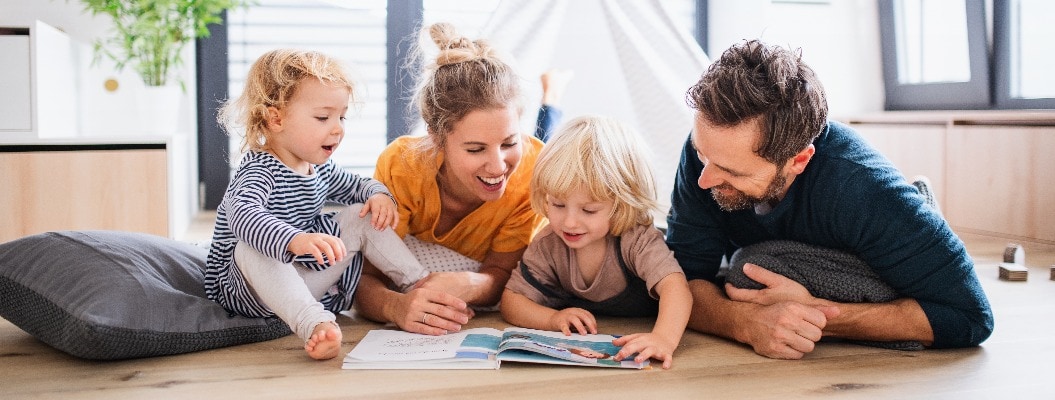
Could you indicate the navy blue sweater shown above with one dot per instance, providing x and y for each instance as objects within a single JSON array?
[{"x": 849, "y": 198}]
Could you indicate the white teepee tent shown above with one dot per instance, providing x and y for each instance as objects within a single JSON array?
[{"x": 631, "y": 62}]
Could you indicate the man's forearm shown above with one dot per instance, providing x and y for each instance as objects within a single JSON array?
[
  {"x": 712, "y": 311},
  {"x": 901, "y": 319}
]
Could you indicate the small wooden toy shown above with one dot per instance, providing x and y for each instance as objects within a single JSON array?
[{"x": 1013, "y": 268}]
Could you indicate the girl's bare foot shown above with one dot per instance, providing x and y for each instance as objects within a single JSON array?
[{"x": 325, "y": 341}]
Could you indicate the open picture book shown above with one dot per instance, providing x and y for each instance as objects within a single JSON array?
[{"x": 482, "y": 348}]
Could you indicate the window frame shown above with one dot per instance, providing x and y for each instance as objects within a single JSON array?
[
  {"x": 1002, "y": 35},
  {"x": 973, "y": 94}
]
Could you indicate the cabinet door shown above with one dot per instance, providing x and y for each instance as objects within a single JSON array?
[
  {"x": 1002, "y": 179},
  {"x": 82, "y": 190},
  {"x": 16, "y": 113}
]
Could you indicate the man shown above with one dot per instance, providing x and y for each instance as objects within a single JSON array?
[{"x": 764, "y": 164}]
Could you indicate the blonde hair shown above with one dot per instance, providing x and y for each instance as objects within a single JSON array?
[
  {"x": 466, "y": 75},
  {"x": 607, "y": 159},
  {"x": 272, "y": 81}
]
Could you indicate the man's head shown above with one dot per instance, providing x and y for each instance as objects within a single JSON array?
[{"x": 759, "y": 108}]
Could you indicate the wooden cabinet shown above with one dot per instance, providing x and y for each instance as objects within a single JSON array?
[
  {"x": 1003, "y": 180},
  {"x": 993, "y": 171},
  {"x": 81, "y": 187}
]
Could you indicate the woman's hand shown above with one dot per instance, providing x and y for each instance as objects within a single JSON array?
[
  {"x": 428, "y": 311},
  {"x": 384, "y": 211},
  {"x": 463, "y": 285}
]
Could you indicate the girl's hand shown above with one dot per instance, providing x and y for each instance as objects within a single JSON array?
[
  {"x": 429, "y": 312},
  {"x": 383, "y": 209},
  {"x": 318, "y": 245},
  {"x": 646, "y": 345},
  {"x": 564, "y": 320}
]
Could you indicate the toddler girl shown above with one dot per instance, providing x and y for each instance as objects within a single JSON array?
[{"x": 274, "y": 252}]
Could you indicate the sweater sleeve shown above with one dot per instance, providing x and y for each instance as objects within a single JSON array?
[
  {"x": 346, "y": 187},
  {"x": 913, "y": 249}
]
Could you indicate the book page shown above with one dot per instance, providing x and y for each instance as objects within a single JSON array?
[
  {"x": 393, "y": 345},
  {"x": 596, "y": 350}
]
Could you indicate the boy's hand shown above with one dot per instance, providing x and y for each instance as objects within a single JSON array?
[
  {"x": 318, "y": 245},
  {"x": 383, "y": 209},
  {"x": 564, "y": 320},
  {"x": 646, "y": 345}
]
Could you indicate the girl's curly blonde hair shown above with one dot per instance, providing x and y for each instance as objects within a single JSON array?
[{"x": 272, "y": 81}]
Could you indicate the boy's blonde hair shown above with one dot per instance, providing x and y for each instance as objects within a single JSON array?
[
  {"x": 272, "y": 81},
  {"x": 603, "y": 157}
]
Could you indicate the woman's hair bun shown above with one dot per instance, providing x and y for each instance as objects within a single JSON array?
[{"x": 455, "y": 48}]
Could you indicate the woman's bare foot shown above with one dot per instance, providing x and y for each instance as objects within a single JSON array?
[
  {"x": 325, "y": 341},
  {"x": 554, "y": 82}
]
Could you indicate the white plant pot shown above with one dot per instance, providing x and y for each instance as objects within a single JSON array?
[{"x": 159, "y": 109}]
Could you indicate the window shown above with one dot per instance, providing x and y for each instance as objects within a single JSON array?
[
  {"x": 1022, "y": 36},
  {"x": 935, "y": 54},
  {"x": 353, "y": 31}
]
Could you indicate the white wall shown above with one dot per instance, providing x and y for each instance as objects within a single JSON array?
[
  {"x": 101, "y": 112},
  {"x": 839, "y": 40},
  {"x": 66, "y": 15}
]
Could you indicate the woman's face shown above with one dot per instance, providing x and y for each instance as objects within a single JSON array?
[{"x": 482, "y": 151}]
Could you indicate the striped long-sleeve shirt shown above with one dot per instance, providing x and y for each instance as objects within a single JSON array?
[{"x": 265, "y": 205}]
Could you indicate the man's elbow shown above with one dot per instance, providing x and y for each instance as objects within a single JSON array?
[{"x": 976, "y": 331}]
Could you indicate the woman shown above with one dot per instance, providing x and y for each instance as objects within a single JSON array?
[{"x": 464, "y": 186}]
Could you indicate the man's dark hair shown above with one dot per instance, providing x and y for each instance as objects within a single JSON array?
[{"x": 752, "y": 80}]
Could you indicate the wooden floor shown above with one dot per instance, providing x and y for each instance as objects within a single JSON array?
[{"x": 1015, "y": 363}]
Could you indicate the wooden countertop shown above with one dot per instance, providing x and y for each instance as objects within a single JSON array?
[{"x": 956, "y": 117}]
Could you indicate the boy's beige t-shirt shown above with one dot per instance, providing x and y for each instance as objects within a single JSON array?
[
  {"x": 504, "y": 225},
  {"x": 553, "y": 265}
]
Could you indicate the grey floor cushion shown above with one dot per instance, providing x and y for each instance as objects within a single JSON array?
[{"x": 115, "y": 295}]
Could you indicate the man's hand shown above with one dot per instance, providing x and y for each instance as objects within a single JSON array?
[
  {"x": 790, "y": 321},
  {"x": 777, "y": 288},
  {"x": 786, "y": 330}
]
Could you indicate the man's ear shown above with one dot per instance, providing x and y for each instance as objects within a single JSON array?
[
  {"x": 799, "y": 161},
  {"x": 274, "y": 119}
]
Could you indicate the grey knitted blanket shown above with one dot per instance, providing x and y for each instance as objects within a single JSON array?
[{"x": 828, "y": 274}]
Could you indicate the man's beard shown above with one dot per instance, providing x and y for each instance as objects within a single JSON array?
[{"x": 741, "y": 201}]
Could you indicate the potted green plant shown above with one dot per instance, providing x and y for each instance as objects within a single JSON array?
[{"x": 149, "y": 35}]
